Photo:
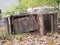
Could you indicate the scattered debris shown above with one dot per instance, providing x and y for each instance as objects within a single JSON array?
[{"x": 34, "y": 39}]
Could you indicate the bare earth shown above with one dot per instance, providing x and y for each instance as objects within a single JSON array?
[{"x": 33, "y": 39}]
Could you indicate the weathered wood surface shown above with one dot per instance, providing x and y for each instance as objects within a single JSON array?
[
  {"x": 25, "y": 23},
  {"x": 50, "y": 22},
  {"x": 6, "y": 25},
  {"x": 40, "y": 24}
]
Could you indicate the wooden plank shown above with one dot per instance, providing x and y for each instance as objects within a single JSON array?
[
  {"x": 31, "y": 23},
  {"x": 41, "y": 25},
  {"x": 52, "y": 23},
  {"x": 55, "y": 22},
  {"x": 9, "y": 24},
  {"x": 15, "y": 26},
  {"x": 20, "y": 27},
  {"x": 25, "y": 24},
  {"x": 6, "y": 26}
]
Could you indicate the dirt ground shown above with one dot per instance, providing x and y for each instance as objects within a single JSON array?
[{"x": 31, "y": 39}]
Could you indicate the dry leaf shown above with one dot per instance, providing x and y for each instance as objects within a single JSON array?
[
  {"x": 50, "y": 42},
  {"x": 7, "y": 42}
]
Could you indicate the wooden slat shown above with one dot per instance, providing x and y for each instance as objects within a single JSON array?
[
  {"x": 9, "y": 24},
  {"x": 52, "y": 23},
  {"x": 25, "y": 24},
  {"x": 56, "y": 22},
  {"x": 15, "y": 25},
  {"x": 6, "y": 26},
  {"x": 41, "y": 25}
]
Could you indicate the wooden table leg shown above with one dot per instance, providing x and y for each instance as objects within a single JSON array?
[
  {"x": 40, "y": 25},
  {"x": 52, "y": 23}
]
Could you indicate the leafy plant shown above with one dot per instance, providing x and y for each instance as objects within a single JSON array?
[
  {"x": 23, "y": 5},
  {"x": 18, "y": 37},
  {"x": 7, "y": 42},
  {"x": 2, "y": 35},
  {"x": 58, "y": 1}
]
